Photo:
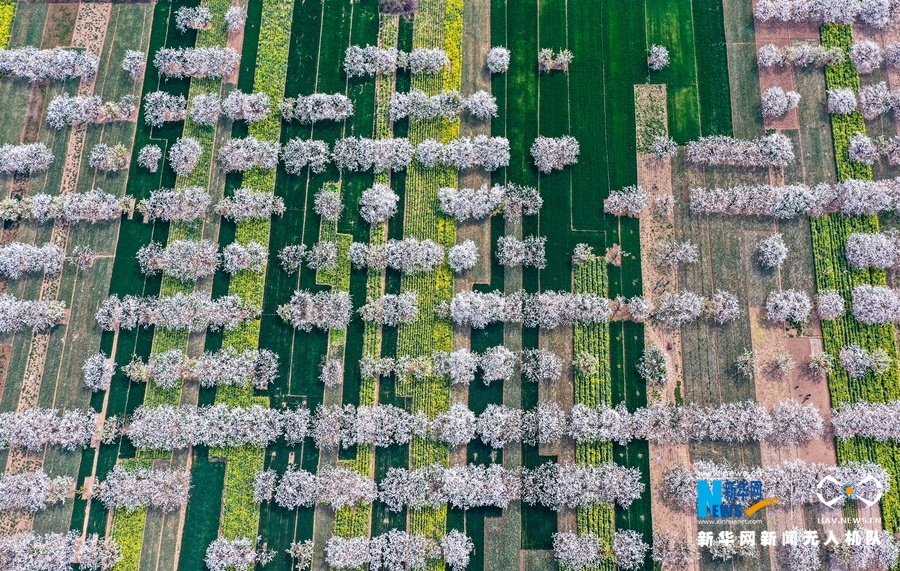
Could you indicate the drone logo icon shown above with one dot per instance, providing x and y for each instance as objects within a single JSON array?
[{"x": 849, "y": 491}]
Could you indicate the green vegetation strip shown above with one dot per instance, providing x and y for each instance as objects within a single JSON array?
[
  {"x": 593, "y": 390},
  {"x": 7, "y": 13},
  {"x": 829, "y": 235},
  {"x": 241, "y": 514}
]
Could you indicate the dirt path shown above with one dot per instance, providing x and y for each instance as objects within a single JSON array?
[{"x": 90, "y": 32}]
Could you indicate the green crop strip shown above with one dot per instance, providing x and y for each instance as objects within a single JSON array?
[
  {"x": 437, "y": 25},
  {"x": 829, "y": 235},
  {"x": 594, "y": 390},
  {"x": 241, "y": 513}
]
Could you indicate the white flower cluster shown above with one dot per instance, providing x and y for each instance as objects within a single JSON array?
[
  {"x": 498, "y": 59},
  {"x": 409, "y": 255},
  {"x": 325, "y": 310},
  {"x": 391, "y": 310},
  {"x": 32, "y": 491},
  {"x": 448, "y": 104},
  {"x": 630, "y": 201},
  {"x": 480, "y": 151},
  {"x": 476, "y": 204},
  {"x": 27, "y": 159},
  {"x": 17, "y": 259},
  {"x": 235, "y": 18},
  {"x": 131, "y": 489},
  {"x": 196, "y": 62},
  {"x": 802, "y": 55},
  {"x": 247, "y": 203},
  {"x": 577, "y": 552},
  {"x": 184, "y": 260},
  {"x": 554, "y": 153},
  {"x": 237, "y": 554},
  {"x": 149, "y": 157},
  {"x": 876, "y": 13},
  {"x": 109, "y": 159},
  {"x": 252, "y": 257},
  {"x": 57, "y": 552},
  {"x": 92, "y": 206},
  {"x": 184, "y": 155},
  {"x": 55, "y": 64},
  {"x": 249, "y": 107},
  {"x": 529, "y": 252},
  {"x": 371, "y": 60},
  {"x": 308, "y": 109},
  {"x": 247, "y": 153},
  {"x": 34, "y": 428},
  {"x": 546, "y": 310},
  {"x": 181, "y": 312},
  {"x": 379, "y": 155},
  {"x": 558, "y": 486},
  {"x": 134, "y": 63},
  {"x": 17, "y": 315},
  {"x": 192, "y": 18},
  {"x": 297, "y": 154},
  {"x": 228, "y": 367},
  {"x": 658, "y": 58},
  {"x": 876, "y": 304},
  {"x": 772, "y": 251},
  {"x": 174, "y": 428},
  {"x": 160, "y": 107},
  {"x": 548, "y": 61},
  {"x": 879, "y": 250},
  {"x": 80, "y": 111},
  {"x": 684, "y": 307},
  {"x": 788, "y": 305},
  {"x": 776, "y": 102},
  {"x": 205, "y": 109},
  {"x": 98, "y": 370},
  {"x": 772, "y": 150},
  {"x": 186, "y": 203},
  {"x": 496, "y": 363},
  {"x": 462, "y": 257},
  {"x": 851, "y": 198}
]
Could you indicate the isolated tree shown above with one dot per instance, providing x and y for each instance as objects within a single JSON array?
[
  {"x": 658, "y": 57},
  {"x": 106, "y": 158},
  {"x": 776, "y": 102},
  {"x": 481, "y": 105},
  {"x": 235, "y": 18},
  {"x": 663, "y": 147},
  {"x": 875, "y": 100},
  {"x": 548, "y": 61},
  {"x": 497, "y": 364},
  {"x": 841, "y": 101},
  {"x": 205, "y": 109},
  {"x": 747, "y": 364},
  {"x": 629, "y": 549},
  {"x": 456, "y": 548},
  {"x": 861, "y": 149},
  {"x": 551, "y": 154},
  {"x": 630, "y": 201},
  {"x": 463, "y": 256},
  {"x": 184, "y": 155},
  {"x": 301, "y": 552},
  {"x": 251, "y": 256},
  {"x": 378, "y": 204},
  {"x": 541, "y": 365},
  {"x": 866, "y": 56},
  {"x": 498, "y": 59},
  {"x": 677, "y": 309},
  {"x": 161, "y": 107},
  {"x": 772, "y": 251},
  {"x": 653, "y": 365},
  {"x": 134, "y": 63},
  {"x": 192, "y": 18},
  {"x": 98, "y": 370},
  {"x": 149, "y": 157}
]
